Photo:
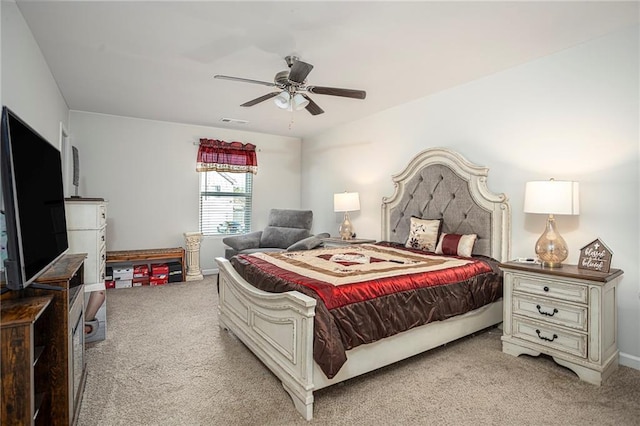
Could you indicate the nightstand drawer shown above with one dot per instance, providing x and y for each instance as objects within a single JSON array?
[
  {"x": 567, "y": 313},
  {"x": 551, "y": 337},
  {"x": 551, "y": 288},
  {"x": 552, "y": 311}
]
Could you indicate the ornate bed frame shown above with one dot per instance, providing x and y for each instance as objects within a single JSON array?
[{"x": 278, "y": 327}]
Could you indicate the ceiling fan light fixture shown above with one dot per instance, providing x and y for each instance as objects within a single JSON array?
[
  {"x": 283, "y": 100},
  {"x": 299, "y": 102},
  {"x": 289, "y": 82}
]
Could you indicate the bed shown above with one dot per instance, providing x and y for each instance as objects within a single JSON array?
[{"x": 278, "y": 328}]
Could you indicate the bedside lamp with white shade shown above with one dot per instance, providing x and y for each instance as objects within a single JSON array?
[
  {"x": 551, "y": 197},
  {"x": 346, "y": 202}
]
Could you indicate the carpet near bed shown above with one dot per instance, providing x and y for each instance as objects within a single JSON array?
[{"x": 166, "y": 362}]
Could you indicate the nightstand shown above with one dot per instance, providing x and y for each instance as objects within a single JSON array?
[
  {"x": 567, "y": 313},
  {"x": 337, "y": 241}
]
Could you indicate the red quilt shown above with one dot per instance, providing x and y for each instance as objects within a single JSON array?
[{"x": 371, "y": 291}]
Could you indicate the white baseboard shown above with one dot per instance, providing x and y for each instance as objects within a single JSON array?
[
  {"x": 629, "y": 361},
  {"x": 210, "y": 271}
]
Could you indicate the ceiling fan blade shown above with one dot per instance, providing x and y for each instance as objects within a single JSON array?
[
  {"x": 245, "y": 80},
  {"x": 260, "y": 99},
  {"x": 312, "y": 107},
  {"x": 334, "y": 91},
  {"x": 299, "y": 72}
]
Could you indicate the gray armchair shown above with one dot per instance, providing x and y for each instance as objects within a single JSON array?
[{"x": 286, "y": 230}]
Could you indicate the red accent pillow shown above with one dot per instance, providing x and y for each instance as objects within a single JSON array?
[{"x": 456, "y": 244}]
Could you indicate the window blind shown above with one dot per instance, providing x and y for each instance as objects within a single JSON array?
[{"x": 225, "y": 203}]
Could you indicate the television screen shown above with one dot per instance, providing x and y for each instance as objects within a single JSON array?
[{"x": 33, "y": 199}]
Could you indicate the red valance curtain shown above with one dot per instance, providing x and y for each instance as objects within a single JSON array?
[{"x": 220, "y": 156}]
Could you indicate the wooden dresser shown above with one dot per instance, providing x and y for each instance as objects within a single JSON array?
[
  {"x": 26, "y": 360},
  {"x": 567, "y": 313},
  {"x": 42, "y": 336}
]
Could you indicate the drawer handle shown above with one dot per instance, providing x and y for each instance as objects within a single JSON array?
[
  {"x": 555, "y": 311},
  {"x": 555, "y": 336},
  {"x": 103, "y": 238},
  {"x": 546, "y": 288}
]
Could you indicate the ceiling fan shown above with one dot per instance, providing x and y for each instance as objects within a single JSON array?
[{"x": 292, "y": 88}]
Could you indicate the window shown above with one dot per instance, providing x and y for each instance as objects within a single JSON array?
[{"x": 225, "y": 203}]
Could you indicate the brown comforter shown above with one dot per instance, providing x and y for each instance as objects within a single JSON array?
[{"x": 373, "y": 291}]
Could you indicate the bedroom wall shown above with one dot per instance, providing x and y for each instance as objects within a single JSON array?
[
  {"x": 141, "y": 215},
  {"x": 1, "y": 101},
  {"x": 572, "y": 115},
  {"x": 146, "y": 171},
  {"x": 28, "y": 87}
]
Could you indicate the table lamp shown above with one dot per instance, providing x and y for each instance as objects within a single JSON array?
[
  {"x": 346, "y": 202},
  {"x": 551, "y": 197}
]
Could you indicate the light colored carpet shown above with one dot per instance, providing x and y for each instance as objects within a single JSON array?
[{"x": 166, "y": 362}]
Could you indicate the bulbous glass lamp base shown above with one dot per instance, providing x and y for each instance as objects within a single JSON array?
[
  {"x": 551, "y": 248},
  {"x": 346, "y": 228}
]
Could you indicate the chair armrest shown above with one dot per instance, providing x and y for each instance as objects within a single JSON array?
[
  {"x": 244, "y": 241},
  {"x": 308, "y": 243}
]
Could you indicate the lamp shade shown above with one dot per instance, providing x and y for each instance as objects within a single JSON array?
[
  {"x": 552, "y": 197},
  {"x": 346, "y": 202},
  {"x": 282, "y": 100},
  {"x": 299, "y": 102}
]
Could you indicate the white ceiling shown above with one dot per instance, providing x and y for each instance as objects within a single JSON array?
[{"x": 157, "y": 59}]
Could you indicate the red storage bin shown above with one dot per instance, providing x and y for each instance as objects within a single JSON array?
[
  {"x": 140, "y": 271},
  {"x": 137, "y": 282},
  {"x": 159, "y": 269},
  {"x": 159, "y": 279}
]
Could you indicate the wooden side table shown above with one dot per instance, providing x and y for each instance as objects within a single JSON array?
[
  {"x": 149, "y": 255},
  {"x": 337, "y": 241},
  {"x": 567, "y": 313}
]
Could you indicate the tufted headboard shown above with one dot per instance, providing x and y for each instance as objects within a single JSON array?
[{"x": 441, "y": 184}]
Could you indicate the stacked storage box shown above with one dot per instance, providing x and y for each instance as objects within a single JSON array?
[
  {"x": 159, "y": 274},
  {"x": 175, "y": 272},
  {"x": 140, "y": 275},
  {"x": 108, "y": 278},
  {"x": 123, "y": 275}
]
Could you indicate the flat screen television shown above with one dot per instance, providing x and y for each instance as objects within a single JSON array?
[{"x": 33, "y": 201}]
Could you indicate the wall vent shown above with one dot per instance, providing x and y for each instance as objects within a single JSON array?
[{"x": 234, "y": 121}]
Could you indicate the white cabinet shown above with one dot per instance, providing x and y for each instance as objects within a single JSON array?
[
  {"x": 567, "y": 313},
  {"x": 87, "y": 232}
]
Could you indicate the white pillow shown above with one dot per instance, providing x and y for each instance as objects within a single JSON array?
[
  {"x": 456, "y": 244},
  {"x": 423, "y": 234}
]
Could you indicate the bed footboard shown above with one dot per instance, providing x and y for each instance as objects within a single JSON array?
[{"x": 276, "y": 327}]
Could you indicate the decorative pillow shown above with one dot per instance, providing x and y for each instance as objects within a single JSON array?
[
  {"x": 243, "y": 242},
  {"x": 308, "y": 243},
  {"x": 423, "y": 234},
  {"x": 456, "y": 244}
]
